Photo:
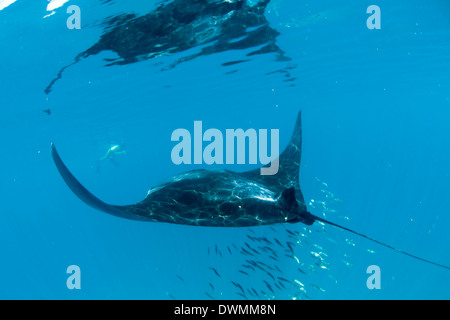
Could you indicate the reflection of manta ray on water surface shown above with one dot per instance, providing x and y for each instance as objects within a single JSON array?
[
  {"x": 202, "y": 197},
  {"x": 212, "y": 26},
  {"x": 222, "y": 198}
]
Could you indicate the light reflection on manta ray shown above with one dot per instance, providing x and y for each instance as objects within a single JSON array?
[
  {"x": 210, "y": 26},
  {"x": 222, "y": 198}
]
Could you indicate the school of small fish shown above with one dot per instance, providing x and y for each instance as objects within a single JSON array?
[{"x": 278, "y": 261}]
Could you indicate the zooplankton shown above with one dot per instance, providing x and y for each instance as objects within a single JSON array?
[
  {"x": 213, "y": 152},
  {"x": 247, "y": 309}
]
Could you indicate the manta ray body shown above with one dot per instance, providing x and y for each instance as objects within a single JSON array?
[{"x": 223, "y": 198}]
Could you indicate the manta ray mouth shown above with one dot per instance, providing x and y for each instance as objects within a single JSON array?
[{"x": 305, "y": 218}]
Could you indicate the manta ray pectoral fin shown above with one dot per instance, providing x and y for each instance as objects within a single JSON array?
[
  {"x": 84, "y": 195},
  {"x": 289, "y": 166}
]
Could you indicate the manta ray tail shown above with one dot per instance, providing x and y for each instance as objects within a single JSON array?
[
  {"x": 379, "y": 242},
  {"x": 84, "y": 195}
]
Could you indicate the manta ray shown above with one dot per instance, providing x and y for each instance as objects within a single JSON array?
[
  {"x": 222, "y": 198},
  {"x": 209, "y": 26}
]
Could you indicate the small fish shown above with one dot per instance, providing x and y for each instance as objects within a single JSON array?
[
  {"x": 210, "y": 296},
  {"x": 290, "y": 245},
  {"x": 247, "y": 253},
  {"x": 47, "y": 111},
  {"x": 323, "y": 267},
  {"x": 265, "y": 265},
  {"x": 299, "y": 283},
  {"x": 250, "y": 237},
  {"x": 269, "y": 286},
  {"x": 243, "y": 272},
  {"x": 212, "y": 287},
  {"x": 260, "y": 268},
  {"x": 283, "y": 279},
  {"x": 270, "y": 275},
  {"x": 291, "y": 232},
  {"x": 229, "y": 250},
  {"x": 253, "y": 263},
  {"x": 237, "y": 285},
  {"x": 266, "y": 240},
  {"x": 317, "y": 288},
  {"x": 215, "y": 271},
  {"x": 278, "y": 242},
  {"x": 301, "y": 271},
  {"x": 179, "y": 277},
  {"x": 317, "y": 246},
  {"x": 273, "y": 258},
  {"x": 248, "y": 267},
  {"x": 281, "y": 284},
  {"x": 266, "y": 249}
]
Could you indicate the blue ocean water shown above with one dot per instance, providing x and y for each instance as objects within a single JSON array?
[{"x": 375, "y": 155}]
